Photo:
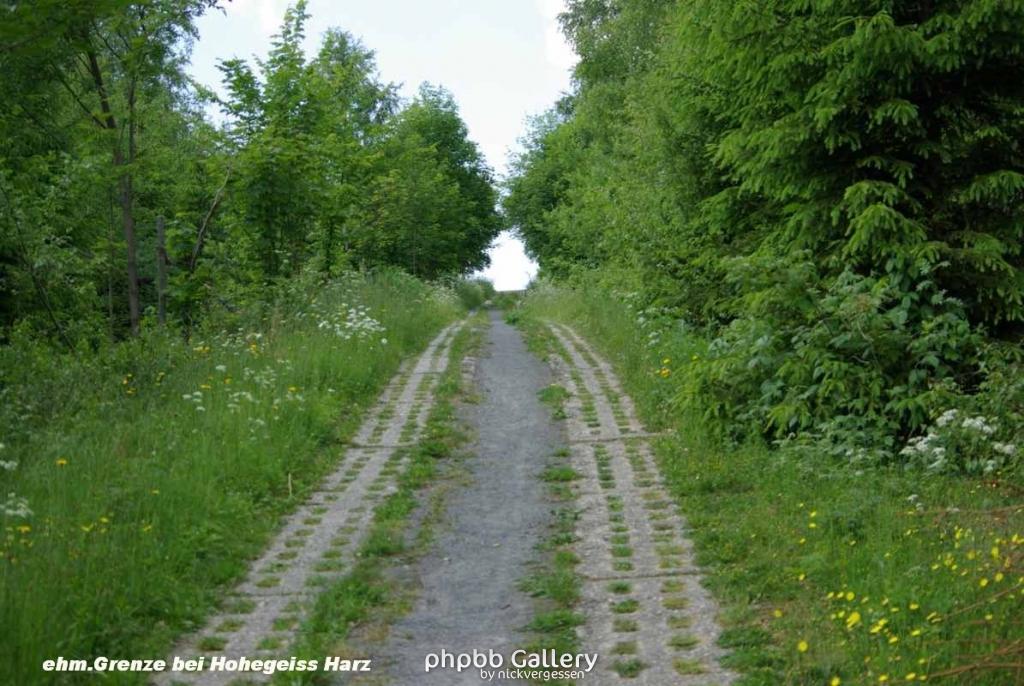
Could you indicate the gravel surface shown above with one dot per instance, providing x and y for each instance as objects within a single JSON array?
[{"x": 469, "y": 595}]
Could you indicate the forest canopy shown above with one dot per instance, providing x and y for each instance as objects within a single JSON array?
[
  {"x": 122, "y": 200},
  {"x": 831, "y": 192}
]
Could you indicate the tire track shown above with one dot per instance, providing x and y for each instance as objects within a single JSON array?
[
  {"x": 647, "y": 614},
  {"x": 318, "y": 541}
]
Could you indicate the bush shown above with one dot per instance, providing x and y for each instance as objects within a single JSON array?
[
  {"x": 858, "y": 361},
  {"x": 473, "y": 293}
]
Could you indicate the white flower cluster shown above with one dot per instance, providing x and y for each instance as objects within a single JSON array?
[
  {"x": 963, "y": 442},
  {"x": 928, "y": 448},
  {"x": 15, "y": 506},
  {"x": 195, "y": 397},
  {"x": 7, "y": 465},
  {"x": 236, "y": 397},
  {"x": 443, "y": 295},
  {"x": 351, "y": 322}
]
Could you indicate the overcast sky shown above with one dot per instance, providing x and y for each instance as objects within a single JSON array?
[{"x": 502, "y": 59}]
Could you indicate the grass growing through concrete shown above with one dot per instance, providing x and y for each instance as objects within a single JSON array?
[
  {"x": 367, "y": 591},
  {"x": 828, "y": 573},
  {"x": 154, "y": 472},
  {"x": 554, "y": 581}
]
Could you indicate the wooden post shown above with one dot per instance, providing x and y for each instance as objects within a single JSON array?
[{"x": 161, "y": 272}]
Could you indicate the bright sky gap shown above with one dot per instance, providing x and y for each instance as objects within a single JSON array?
[{"x": 503, "y": 61}]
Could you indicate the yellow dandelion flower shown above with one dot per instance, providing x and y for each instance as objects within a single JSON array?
[
  {"x": 835, "y": 681},
  {"x": 850, "y": 596},
  {"x": 24, "y": 529},
  {"x": 61, "y": 462},
  {"x": 910, "y": 676},
  {"x": 999, "y": 576},
  {"x": 777, "y": 613},
  {"x": 853, "y": 620},
  {"x": 914, "y": 606},
  {"x": 983, "y": 582},
  {"x": 802, "y": 646}
]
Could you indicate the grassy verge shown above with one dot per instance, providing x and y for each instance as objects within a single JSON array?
[
  {"x": 827, "y": 574},
  {"x": 368, "y": 592},
  {"x": 144, "y": 478}
]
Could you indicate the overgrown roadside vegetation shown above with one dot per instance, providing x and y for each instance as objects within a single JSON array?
[
  {"x": 370, "y": 592},
  {"x": 151, "y": 475},
  {"x": 830, "y": 572}
]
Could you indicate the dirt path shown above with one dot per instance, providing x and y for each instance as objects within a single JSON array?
[
  {"x": 469, "y": 597},
  {"x": 647, "y": 614},
  {"x": 318, "y": 541}
]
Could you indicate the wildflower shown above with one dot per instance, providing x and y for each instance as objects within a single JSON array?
[
  {"x": 910, "y": 676},
  {"x": 221, "y": 368},
  {"x": 9, "y": 466},
  {"x": 802, "y": 646},
  {"x": 882, "y": 678},
  {"x": 15, "y": 506},
  {"x": 999, "y": 577},
  {"x": 836, "y": 681},
  {"x": 983, "y": 582},
  {"x": 24, "y": 529},
  {"x": 914, "y": 606},
  {"x": 777, "y": 613},
  {"x": 853, "y": 620},
  {"x": 61, "y": 462}
]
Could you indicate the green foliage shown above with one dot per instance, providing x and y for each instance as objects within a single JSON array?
[
  {"x": 320, "y": 168},
  {"x": 830, "y": 190},
  {"x": 474, "y": 293},
  {"x": 792, "y": 544},
  {"x": 154, "y": 470}
]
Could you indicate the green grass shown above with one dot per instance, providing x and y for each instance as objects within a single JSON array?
[
  {"x": 800, "y": 548},
  {"x": 554, "y": 582},
  {"x": 367, "y": 591},
  {"x": 155, "y": 470}
]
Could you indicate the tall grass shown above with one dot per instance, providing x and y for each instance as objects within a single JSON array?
[
  {"x": 829, "y": 573},
  {"x": 156, "y": 469}
]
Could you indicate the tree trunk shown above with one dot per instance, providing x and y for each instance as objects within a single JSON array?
[
  {"x": 161, "y": 273},
  {"x": 125, "y": 193},
  {"x": 128, "y": 224}
]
